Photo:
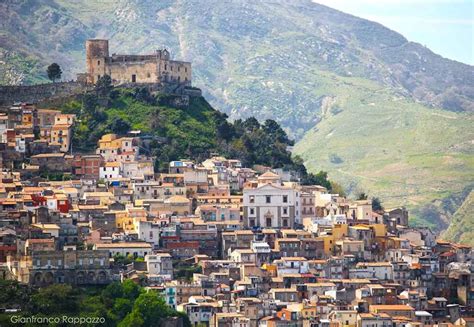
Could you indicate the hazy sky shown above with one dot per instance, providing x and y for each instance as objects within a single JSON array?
[{"x": 444, "y": 26}]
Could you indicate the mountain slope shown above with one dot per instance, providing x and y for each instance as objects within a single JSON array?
[
  {"x": 462, "y": 227},
  {"x": 364, "y": 103},
  {"x": 400, "y": 151},
  {"x": 243, "y": 39}
]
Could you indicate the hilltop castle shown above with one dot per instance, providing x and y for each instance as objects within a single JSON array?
[{"x": 124, "y": 69}]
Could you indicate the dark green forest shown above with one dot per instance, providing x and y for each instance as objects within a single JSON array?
[{"x": 120, "y": 304}]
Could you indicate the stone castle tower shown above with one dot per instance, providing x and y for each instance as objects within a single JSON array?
[
  {"x": 97, "y": 52},
  {"x": 124, "y": 69}
]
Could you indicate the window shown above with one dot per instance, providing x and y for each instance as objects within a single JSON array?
[
  {"x": 268, "y": 199},
  {"x": 285, "y": 198},
  {"x": 134, "y": 78},
  {"x": 252, "y": 199},
  {"x": 285, "y": 211},
  {"x": 98, "y": 62},
  {"x": 252, "y": 211}
]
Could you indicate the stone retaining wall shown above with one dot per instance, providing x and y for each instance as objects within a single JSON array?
[{"x": 38, "y": 93}]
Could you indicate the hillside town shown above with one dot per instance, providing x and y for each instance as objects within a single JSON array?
[{"x": 228, "y": 245}]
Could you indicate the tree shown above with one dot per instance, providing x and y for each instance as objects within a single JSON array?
[
  {"x": 361, "y": 196},
  {"x": 225, "y": 130},
  {"x": 89, "y": 103},
  {"x": 119, "y": 126},
  {"x": 13, "y": 293},
  {"x": 152, "y": 308},
  {"x": 276, "y": 132},
  {"x": 251, "y": 123},
  {"x": 122, "y": 307},
  {"x": 134, "y": 318},
  {"x": 143, "y": 94},
  {"x": 112, "y": 291},
  {"x": 376, "y": 204},
  {"x": 130, "y": 289},
  {"x": 320, "y": 178},
  {"x": 54, "y": 72},
  {"x": 55, "y": 299},
  {"x": 337, "y": 189},
  {"x": 104, "y": 85}
]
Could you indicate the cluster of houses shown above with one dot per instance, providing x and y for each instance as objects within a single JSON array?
[
  {"x": 26, "y": 131},
  {"x": 229, "y": 245}
]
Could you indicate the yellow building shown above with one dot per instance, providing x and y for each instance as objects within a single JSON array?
[
  {"x": 174, "y": 205},
  {"x": 380, "y": 230},
  {"x": 64, "y": 119},
  {"x": 104, "y": 198},
  {"x": 339, "y": 231},
  {"x": 61, "y": 135},
  {"x": 328, "y": 244},
  {"x": 107, "y": 141}
]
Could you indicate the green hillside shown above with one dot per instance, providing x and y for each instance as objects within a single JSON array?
[
  {"x": 462, "y": 224},
  {"x": 372, "y": 139},
  {"x": 177, "y": 130}
]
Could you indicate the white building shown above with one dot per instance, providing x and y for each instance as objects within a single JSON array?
[
  {"x": 292, "y": 265},
  {"x": 136, "y": 249},
  {"x": 159, "y": 264},
  {"x": 109, "y": 170},
  {"x": 20, "y": 144},
  {"x": 141, "y": 169},
  {"x": 379, "y": 270},
  {"x": 271, "y": 203},
  {"x": 374, "y": 320},
  {"x": 148, "y": 231}
]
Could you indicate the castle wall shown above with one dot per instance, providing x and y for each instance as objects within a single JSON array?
[
  {"x": 38, "y": 93},
  {"x": 144, "y": 72},
  {"x": 176, "y": 71}
]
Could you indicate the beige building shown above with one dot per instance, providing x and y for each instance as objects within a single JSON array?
[
  {"x": 71, "y": 266},
  {"x": 151, "y": 68}
]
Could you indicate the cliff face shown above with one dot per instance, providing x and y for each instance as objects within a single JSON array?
[{"x": 372, "y": 108}]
